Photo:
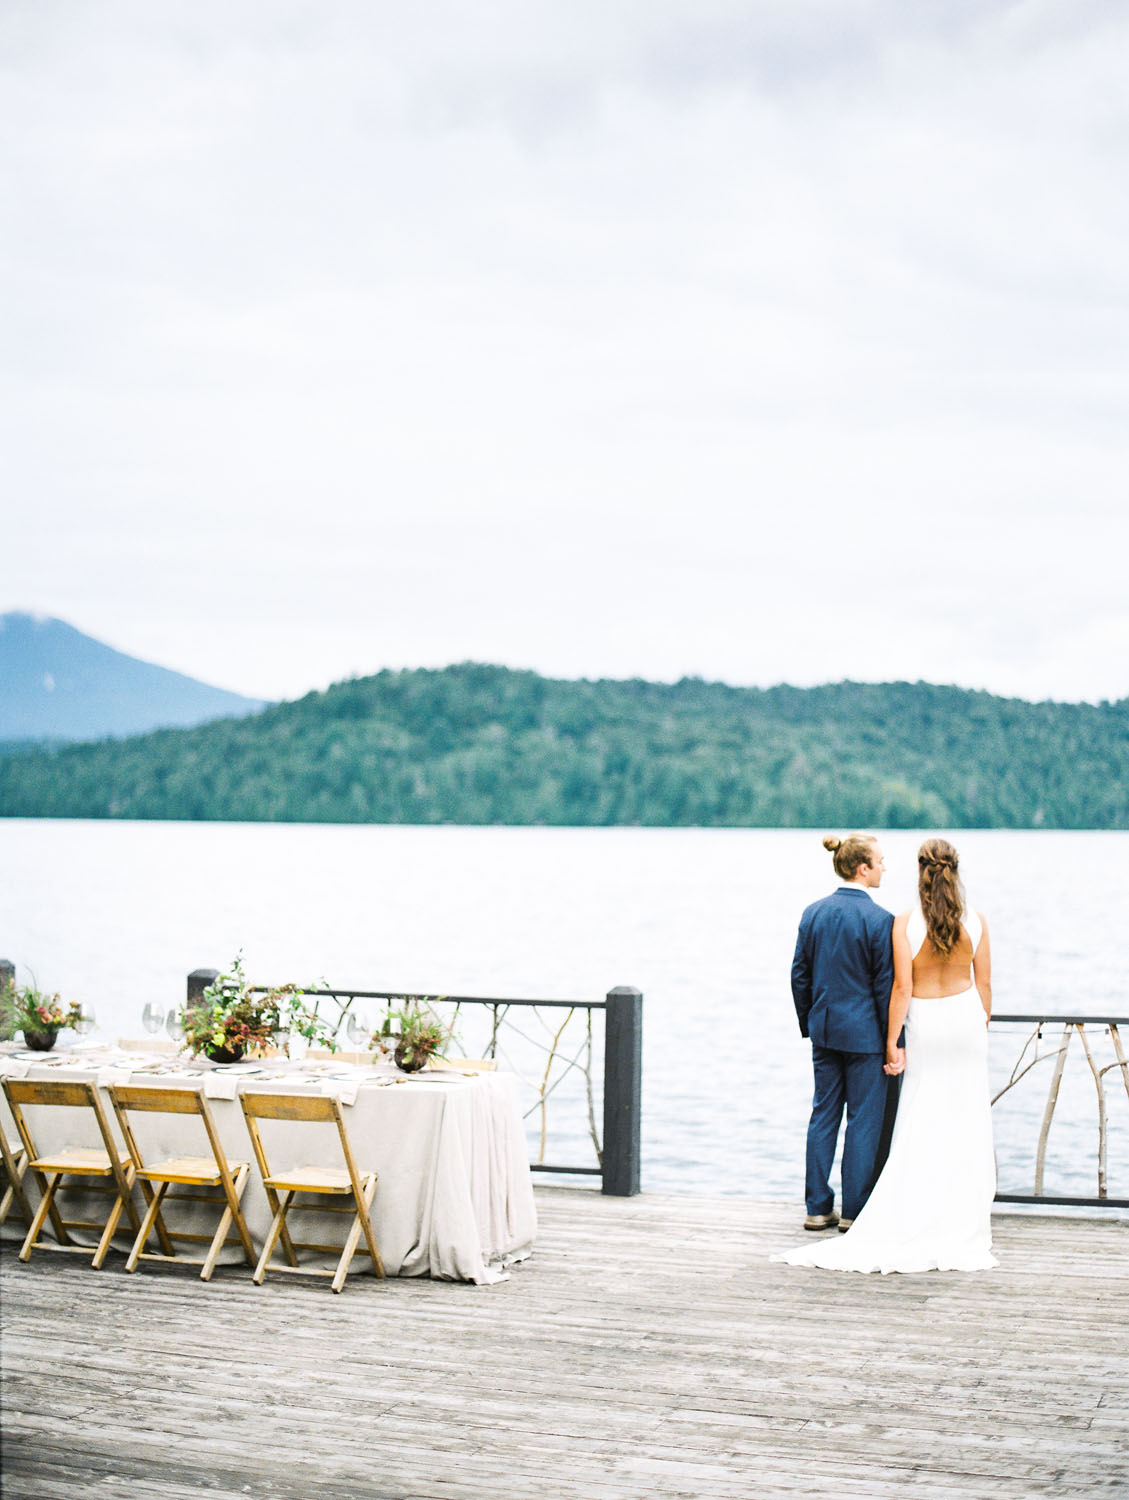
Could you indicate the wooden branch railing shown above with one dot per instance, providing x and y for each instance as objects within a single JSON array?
[{"x": 1031, "y": 1055}]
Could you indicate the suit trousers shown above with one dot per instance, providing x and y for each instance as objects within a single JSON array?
[{"x": 855, "y": 1080}]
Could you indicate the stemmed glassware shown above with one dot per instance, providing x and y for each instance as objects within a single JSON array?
[
  {"x": 153, "y": 1017},
  {"x": 358, "y": 1029},
  {"x": 86, "y": 1021},
  {"x": 173, "y": 1026}
]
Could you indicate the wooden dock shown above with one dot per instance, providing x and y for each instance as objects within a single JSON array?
[{"x": 647, "y": 1349}]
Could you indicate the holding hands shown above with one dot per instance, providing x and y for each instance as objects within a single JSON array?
[{"x": 895, "y": 1059}]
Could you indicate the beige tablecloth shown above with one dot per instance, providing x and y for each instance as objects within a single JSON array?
[{"x": 454, "y": 1195}]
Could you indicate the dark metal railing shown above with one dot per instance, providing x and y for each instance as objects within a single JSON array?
[
  {"x": 1031, "y": 1056},
  {"x": 619, "y": 1155}
]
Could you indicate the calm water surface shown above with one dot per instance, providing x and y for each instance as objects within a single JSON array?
[{"x": 702, "y": 921}]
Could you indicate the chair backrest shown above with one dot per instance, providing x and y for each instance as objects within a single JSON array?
[
  {"x": 146, "y": 1044},
  {"x": 322, "y": 1107},
  {"x": 157, "y": 1101},
  {"x": 34, "y": 1091}
]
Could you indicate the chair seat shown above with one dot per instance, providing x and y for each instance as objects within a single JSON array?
[
  {"x": 190, "y": 1169},
  {"x": 312, "y": 1180},
  {"x": 80, "y": 1161}
]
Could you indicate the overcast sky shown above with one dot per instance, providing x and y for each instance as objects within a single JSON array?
[{"x": 758, "y": 341}]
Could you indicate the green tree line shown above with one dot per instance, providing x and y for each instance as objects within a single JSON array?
[{"x": 483, "y": 744}]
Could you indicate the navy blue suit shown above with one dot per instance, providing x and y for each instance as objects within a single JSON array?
[{"x": 841, "y": 979}]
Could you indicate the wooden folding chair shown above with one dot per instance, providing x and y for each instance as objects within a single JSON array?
[
  {"x": 216, "y": 1171},
  {"x": 110, "y": 1164},
  {"x": 14, "y": 1157},
  {"x": 359, "y": 1187}
]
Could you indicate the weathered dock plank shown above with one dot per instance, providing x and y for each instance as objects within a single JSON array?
[{"x": 649, "y": 1348}]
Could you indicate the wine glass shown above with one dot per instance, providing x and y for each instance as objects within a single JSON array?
[
  {"x": 87, "y": 1021},
  {"x": 153, "y": 1017},
  {"x": 358, "y": 1029},
  {"x": 173, "y": 1026}
]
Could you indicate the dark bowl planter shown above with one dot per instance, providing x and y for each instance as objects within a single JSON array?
[
  {"x": 39, "y": 1041},
  {"x": 223, "y": 1054},
  {"x": 413, "y": 1063}
]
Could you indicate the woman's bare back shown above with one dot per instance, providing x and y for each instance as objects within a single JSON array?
[{"x": 936, "y": 974}]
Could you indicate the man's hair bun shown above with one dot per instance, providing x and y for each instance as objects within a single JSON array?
[{"x": 847, "y": 855}]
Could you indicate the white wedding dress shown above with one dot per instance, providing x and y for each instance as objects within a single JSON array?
[{"x": 931, "y": 1207}]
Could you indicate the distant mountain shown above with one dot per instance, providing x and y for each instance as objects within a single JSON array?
[
  {"x": 58, "y": 684},
  {"x": 483, "y": 744}
]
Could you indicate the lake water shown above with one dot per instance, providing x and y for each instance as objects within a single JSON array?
[{"x": 703, "y": 921}]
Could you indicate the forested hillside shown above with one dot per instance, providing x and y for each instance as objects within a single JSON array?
[{"x": 481, "y": 744}]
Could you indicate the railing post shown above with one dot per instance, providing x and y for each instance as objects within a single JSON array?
[
  {"x": 623, "y": 1090},
  {"x": 198, "y": 982}
]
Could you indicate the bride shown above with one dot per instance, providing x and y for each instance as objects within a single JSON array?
[{"x": 930, "y": 1209}]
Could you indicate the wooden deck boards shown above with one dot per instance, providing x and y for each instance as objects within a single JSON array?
[{"x": 647, "y": 1349}]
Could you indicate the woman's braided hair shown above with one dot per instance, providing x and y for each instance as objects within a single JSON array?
[
  {"x": 942, "y": 895},
  {"x": 849, "y": 853}
]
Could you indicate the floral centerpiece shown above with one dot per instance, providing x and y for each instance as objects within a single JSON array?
[
  {"x": 40, "y": 1017},
  {"x": 233, "y": 1017},
  {"x": 229, "y": 1018},
  {"x": 413, "y": 1035}
]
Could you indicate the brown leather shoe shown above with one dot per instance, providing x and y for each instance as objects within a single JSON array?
[{"x": 821, "y": 1221}]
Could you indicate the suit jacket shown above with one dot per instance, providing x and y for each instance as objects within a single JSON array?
[{"x": 843, "y": 971}]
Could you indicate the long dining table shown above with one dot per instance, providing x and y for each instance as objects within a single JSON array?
[{"x": 454, "y": 1194}]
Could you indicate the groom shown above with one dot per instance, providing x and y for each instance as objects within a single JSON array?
[{"x": 841, "y": 979}]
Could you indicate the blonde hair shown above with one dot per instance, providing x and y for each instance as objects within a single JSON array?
[
  {"x": 849, "y": 853},
  {"x": 941, "y": 893}
]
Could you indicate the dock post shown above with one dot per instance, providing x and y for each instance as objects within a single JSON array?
[
  {"x": 198, "y": 982},
  {"x": 623, "y": 1091}
]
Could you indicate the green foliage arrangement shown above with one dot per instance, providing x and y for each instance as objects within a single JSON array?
[
  {"x": 233, "y": 1017},
  {"x": 298, "y": 1015},
  {"x": 413, "y": 1034},
  {"x": 229, "y": 1019},
  {"x": 482, "y": 744}
]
